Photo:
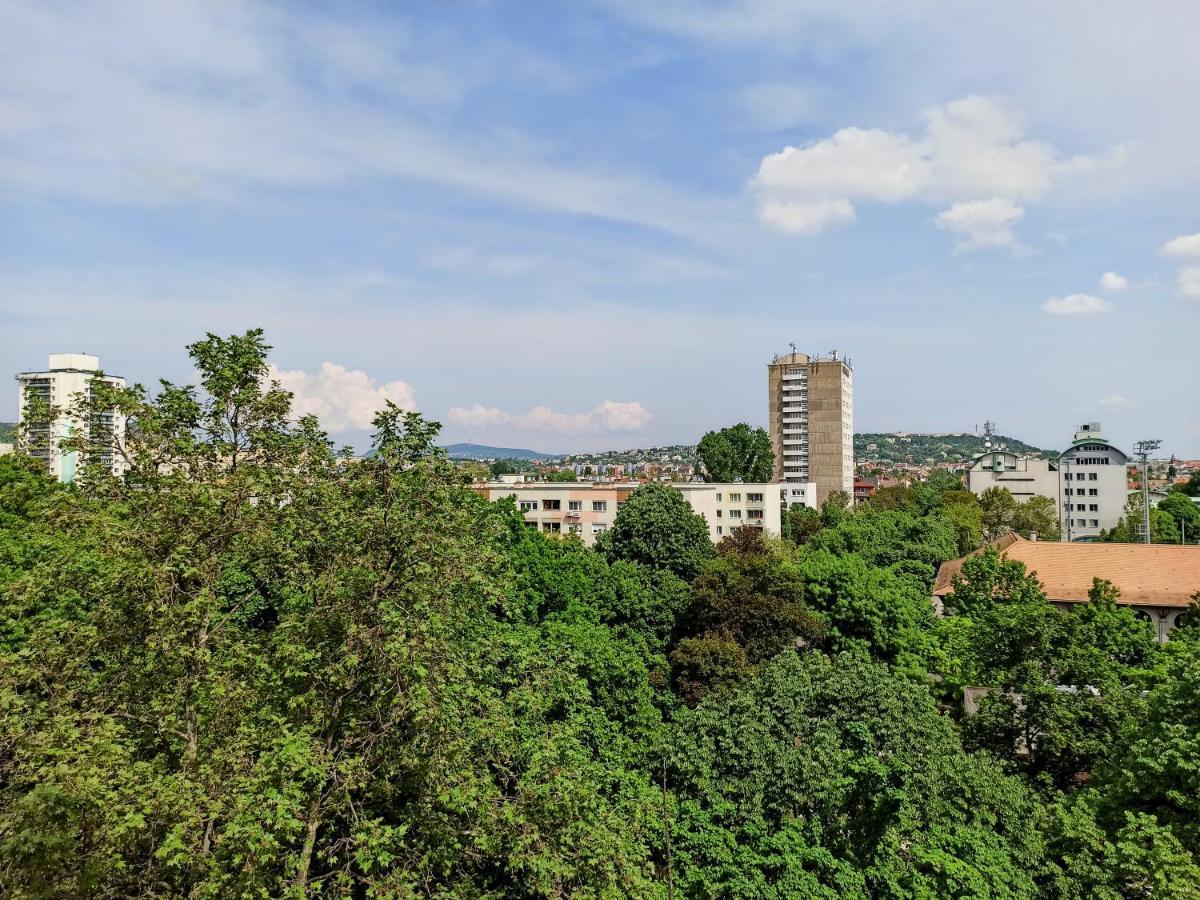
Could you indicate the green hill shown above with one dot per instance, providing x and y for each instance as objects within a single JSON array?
[{"x": 932, "y": 448}]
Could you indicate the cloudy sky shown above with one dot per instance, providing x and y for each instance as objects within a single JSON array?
[{"x": 587, "y": 225}]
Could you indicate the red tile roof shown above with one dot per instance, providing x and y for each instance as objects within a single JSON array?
[{"x": 1146, "y": 574}]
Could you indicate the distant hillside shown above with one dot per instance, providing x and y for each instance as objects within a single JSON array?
[
  {"x": 932, "y": 448},
  {"x": 483, "y": 451},
  {"x": 8, "y": 432}
]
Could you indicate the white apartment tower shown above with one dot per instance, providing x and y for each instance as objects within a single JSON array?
[
  {"x": 811, "y": 421},
  {"x": 67, "y": 376}
]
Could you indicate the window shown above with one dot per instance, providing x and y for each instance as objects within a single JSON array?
[
  {"x": 1067, "y": 477},
  {"x": 575, "y": 528},
  {"x": 754, "y": 498},
  {"x": 735, "y": 514},
  {"x": 551, "y": 504},
  {"x": 1095, "y": 523},
  {"x": 718, "y": 514},
  {"x": 1093, "y": 507},
  {"x": 552, "y": 527},
  {"x": 1092, "y": 476},
  {"x": 735, "y": 498},
  {"x": 532, "y": 525},
  {"x": 527, "y": 505},
  {"x": 718, "y": 496},
  {"x": 599, "y": 506},
  {"x": 599, "y": 528},
  {"x": 575, "y": 505},
  {"x": 718, "y": 529},
  {"x": 754, "y": 514},
  {"x": 1093, "y": 492}
]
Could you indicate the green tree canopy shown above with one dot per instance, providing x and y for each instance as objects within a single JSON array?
[
  {"x": 656, "y": 527},
  {"x": 737, "y": 453}
]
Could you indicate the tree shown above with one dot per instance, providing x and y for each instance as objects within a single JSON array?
[
  {"x": 656, "y": 527},
  {"x": 834, "y": 509},
  {"x": 962, "y": 510},
  {"x": 747, "y": 606},
  {"x": 999, "y": 512},
  {"x": 1036, "y": 516},
  {"x": 561, "y": 475},
  {"x": 737, "y": 453},
  {"x": 831, "y": 778},
  {"x": 897, "y": 497},
  {"x": 1185, "y": 512},
  {"x": 801, "y": 523},
  {"x": 503, "y": 467}
]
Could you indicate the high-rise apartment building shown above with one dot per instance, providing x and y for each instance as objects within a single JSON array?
[
  {"x": 67, "y": 376},
  {"x": 811, "y": 420}
]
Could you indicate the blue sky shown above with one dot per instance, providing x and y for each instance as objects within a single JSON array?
[{"x": 590, "y": 225}]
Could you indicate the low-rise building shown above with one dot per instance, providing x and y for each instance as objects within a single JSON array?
[
  {"x": 1157, "y": 581},
  {"x": 589, "y": 509}
]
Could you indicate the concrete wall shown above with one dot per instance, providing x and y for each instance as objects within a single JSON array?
[{"x": 825, "y": 435}]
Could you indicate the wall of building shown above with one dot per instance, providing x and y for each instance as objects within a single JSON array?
[
  {"x": 588, "y": 510},
  {"x": 1094, "y": 479},
  {"x": 1024, "y": 477}
]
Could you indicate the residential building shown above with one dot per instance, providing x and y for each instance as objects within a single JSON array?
[
  {"x": 67, "y": 376},
  {"x": 1157, "y": 581},
  {"x": 864, "y": 488},
  {"x": 811, "y": 421},
  {"x": 588, "y": 509},
  {"x": 1094, "y": 491}
]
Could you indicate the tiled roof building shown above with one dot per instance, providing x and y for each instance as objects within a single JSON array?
[{"x": 1157, "y": 580}]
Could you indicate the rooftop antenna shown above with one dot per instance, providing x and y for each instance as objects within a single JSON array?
[
  {"x": 792, "y": 344},
  {"x": 1143, "y": 449}
]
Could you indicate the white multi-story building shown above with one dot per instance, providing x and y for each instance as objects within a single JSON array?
[
  {"x": 589, "y": 509},
  {"x": 68, "y": 376},
  {"x": 1087, "y": 482},
  {"x": 1094, "y": 478}
]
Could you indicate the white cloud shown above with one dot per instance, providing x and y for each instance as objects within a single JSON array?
[
  {"x": 608, "y": 416},
  {"x": 972, "y": 153},
  {"x": 1187, "y": 245},
  {"x": 1076, "y": 305},
  {"x": 1188, "y": 282},
  {"x": 1111, "y": 281},
  {"x": 343, "y": 399},
  {"x": 804, "y": 218},
  {"x": 982, "y": 223}
]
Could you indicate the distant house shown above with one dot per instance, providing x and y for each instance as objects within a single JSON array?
[
  {"x": 864, "y": 488},
  {"x": 1157, "y": 581}
]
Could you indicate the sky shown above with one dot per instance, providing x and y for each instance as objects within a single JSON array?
[{"x": 591, "y": 225}]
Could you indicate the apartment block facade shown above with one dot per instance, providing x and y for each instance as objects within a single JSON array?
[
  {"x": 67, "y": 376},
  {"x": 589, "y": 509},
  {"x": 810, "y": 417}
]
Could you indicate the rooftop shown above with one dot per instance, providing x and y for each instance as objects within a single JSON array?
[{"x": 1147, "y": 574}]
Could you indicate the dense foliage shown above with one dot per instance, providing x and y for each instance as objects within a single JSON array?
[
  {"x": 737, "y": 453},
  {"x": 257, "y": 666}
]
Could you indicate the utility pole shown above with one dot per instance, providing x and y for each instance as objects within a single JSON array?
[{"x": 1143, "y": 449}]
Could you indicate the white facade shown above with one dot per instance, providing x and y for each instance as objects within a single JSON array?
[
  {"x": 68, "y": 375},
  {"x": 1094, "y": 478},
  {"x": 1025, "y": 477},
  {"x": 589, "y": 509}
]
